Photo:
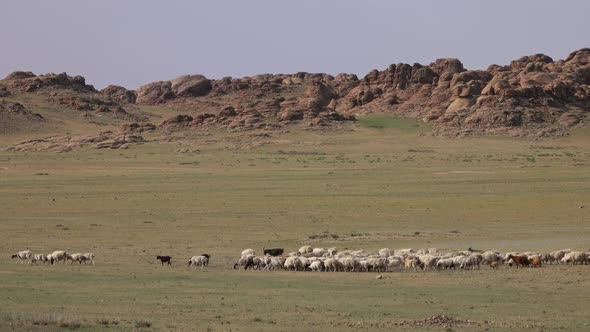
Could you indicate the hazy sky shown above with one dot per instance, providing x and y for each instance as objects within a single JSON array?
[{"x": 131, "y": 43}]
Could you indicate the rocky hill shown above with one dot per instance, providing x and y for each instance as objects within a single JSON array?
[{"x": 532, "y": 96}]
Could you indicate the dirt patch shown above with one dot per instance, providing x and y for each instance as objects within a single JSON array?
[{"x": 443, "y": 321}]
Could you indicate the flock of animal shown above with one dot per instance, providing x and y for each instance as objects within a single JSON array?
[
  {"x": 54, "y": 257},
  {"x": 308, "y": 258},
  {"x": 332, "y": 260}
]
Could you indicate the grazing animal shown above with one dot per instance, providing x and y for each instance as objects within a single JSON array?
[
  {"x": 201, "y": 261},
  {"x": 274, "y": 252},
  {"x": 38, "y": 258},
  {"x": 521, "y": 260},
  {"x": 76, "y": 258},
  {"x": 575, "y": 257},
  {"x": 305, "y": 250},
  {"x": 24, "y": 255},
  {"x": 493, "y": 265},
  {"x": 58, "y": 255},
  {"x": 536, "y": 261},
  {"x": 165, "y": 259},
  {"x": 248, "y": 252},
  {"x": 245, "y": 261},
  {"x": 88, "y": 257}
]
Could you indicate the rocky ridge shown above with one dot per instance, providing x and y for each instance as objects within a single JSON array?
[{"x": 532, "y": 96}]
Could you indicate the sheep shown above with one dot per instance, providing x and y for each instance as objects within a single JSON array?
[
  {"x": 412, "y": 263},
  {"x": 470, "y": 262},
  {"x": 38, "y": 258},
  {"x": 446, "y": 263},
  {"x": 75, "y": 258},
  {"x": 89, "y": 257},
  {"x": 378, "y": 264},
  {"x": 24, "y": 255},
  {"x": 429, "y": 261},
  {"x": 351, "y": 264},
  {"x": 294, "y": 263},
  {"x": 547, "y": 258},
  {"x": 491, "y": 256},
  {"x": 403, "y": 252},
  {"x": 385, "y": 252},
  {"x": 333, "y": 265},
  {"x": 165, "y": 259},
  {"x": 575, "y": 257},
  {"x": 394, "y": 262},
  {"x": 58, "y": 255},
  {"x": 202, "y": 261},
  {"x": 319, "y": 252},
  {"x": 248, "y": 252},
  {"x": 245, "y": 261},
  {"x": 305, "y": 250},
  {"x": 317, "y": 266},
  {"x": 332, "y": 251},
  {"x": 276, "y": 263},
  {"x": 559, "y": 254}
]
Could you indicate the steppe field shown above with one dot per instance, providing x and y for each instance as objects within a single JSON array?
[{"x": 382, "y": 182}]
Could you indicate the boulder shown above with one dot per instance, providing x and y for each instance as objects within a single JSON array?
[
  {"x": 191, "y": 86},
  {"x": 155, "y": 93},
  {"x": 119, "y": 93}
]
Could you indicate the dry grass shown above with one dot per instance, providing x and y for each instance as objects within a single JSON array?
[{"x": 365, "y": 189}]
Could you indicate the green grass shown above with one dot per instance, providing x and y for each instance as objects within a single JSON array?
[
  {"x": 392, "y": 122},
  {"x": 362, "y": 189}
]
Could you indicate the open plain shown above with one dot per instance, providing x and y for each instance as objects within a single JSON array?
[{"x": 381, "y": 182}]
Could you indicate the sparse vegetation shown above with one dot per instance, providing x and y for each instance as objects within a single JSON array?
[
  {"x": 142, "y": 323},
  {"x": 222, "y": 206}
]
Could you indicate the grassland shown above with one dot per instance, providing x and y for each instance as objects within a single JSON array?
[{"x": 376, "y": 184}]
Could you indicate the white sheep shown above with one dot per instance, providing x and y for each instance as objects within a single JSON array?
[
  {"x": 201, "y": 260},
  {"x": 575, "y": 257},
  {"x": 76, "y": 258},
  {"x": 492, "y": 256},
  {"x": 429, "y": 261},
  {"x": 294, "y": 263},
  {"x": 88, "y": 257},
  {"x": 332, "y": 251},
  {"x": 559, "y": 254},
  {"x": 58, "y": 255},
  {"x": 333, "y": 265},
  {"x": 351, "y": 264},
  {"x": 394, "y": 262},
  {"x": 377, "y": 264},
  {"x": 319, "y": 252},
  {"x": 38, "y": 258},
  {"x": 305, "y": 250},
  {"x": 21, "y": 256},
  {"x": 446, "y": 263},
  {"x": 385, "y": 252},
  {"x": 248, "y": 252},
  {"x": 317, "y": 266},
  {"x": 276, "y": 263}
]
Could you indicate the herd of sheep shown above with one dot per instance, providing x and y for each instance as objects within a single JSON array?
[
  {"x": 308, "y": 258},
  {"x": 54, "y": 257},
  {"x": 332, "y": 260}
]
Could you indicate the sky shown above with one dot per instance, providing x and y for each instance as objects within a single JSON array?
[{"x": 134, "y": 42}]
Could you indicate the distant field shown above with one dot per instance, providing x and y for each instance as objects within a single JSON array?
[{"x": 371, "y": 185}]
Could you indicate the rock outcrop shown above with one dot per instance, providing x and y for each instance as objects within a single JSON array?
[{"x": 533, "y": 94}]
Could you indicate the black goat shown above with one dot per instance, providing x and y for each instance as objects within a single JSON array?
[
  {"x": 274, "y": 252},
  {"x": 165, "y": 259}
]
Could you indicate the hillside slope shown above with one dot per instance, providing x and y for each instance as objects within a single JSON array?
[{"x": 532, "y": 96}]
